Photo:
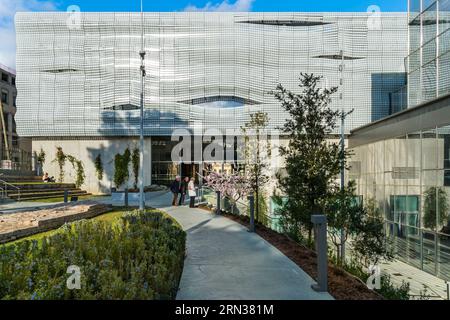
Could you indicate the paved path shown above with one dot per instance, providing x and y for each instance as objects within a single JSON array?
[{"x": 225, "y": 262}]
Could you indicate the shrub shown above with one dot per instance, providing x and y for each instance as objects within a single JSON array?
[
  {"x": 138, "y": 257},
  {"x": 135, "y": 162},
  {"x": 121, "y": 163},
  {"x": 60, "y": 158},
  {"x": 79, "y": 170},
  {"x": 98, "y": 163}
]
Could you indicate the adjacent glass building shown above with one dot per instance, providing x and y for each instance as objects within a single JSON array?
[
  {"x": 429, "y": 50},
  {"x": 403, "y": 161}
]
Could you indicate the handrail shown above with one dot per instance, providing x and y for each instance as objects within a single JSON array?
[{"x": 6, "y": 185}]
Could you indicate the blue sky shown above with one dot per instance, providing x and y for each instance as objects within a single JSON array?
[
  {"x": 8, "y": 8},
  {"x": 255, "y": 5}
]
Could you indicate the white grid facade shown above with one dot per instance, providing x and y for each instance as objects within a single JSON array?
[{"x": 72, "y": 81}]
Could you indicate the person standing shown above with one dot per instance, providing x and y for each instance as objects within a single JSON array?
[
  {"x": 175, "y": 189},
  {"x": 183, "y": 190},
  {"x": 192, "y": 193}
]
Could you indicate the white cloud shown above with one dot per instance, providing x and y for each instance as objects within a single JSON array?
[
  {"x": 8, "y": 9},
  {"x": 225, "y": 6}
]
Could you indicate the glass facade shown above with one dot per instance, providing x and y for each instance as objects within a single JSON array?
[
  {"x": 409, "y": 179},
  {"x": 429, "y": 50}
]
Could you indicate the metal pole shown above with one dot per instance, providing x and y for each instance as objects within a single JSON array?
[
  {"x": 66, "y": 196},
  {"x": 252, "y": 213},
  {"x": 141, "y": 149},
  {"x": 342, "y": 253},
  {"x": 218, "y": 202},
  {"x": 448, "y": 290},
  {"x": 320, "y": 230},
  {"x": 342, "y": 179}
]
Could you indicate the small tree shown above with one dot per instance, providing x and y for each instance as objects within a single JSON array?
[
  {"x": 370, "y": 244},
  {"x": 98, "y": 163},
  {"x": 257, "y": 153},
  {"x": 40, "y": 158},
  {"x": 312, "y": 162},
  {"x": 121, "y": 164},
  {"x": 231, "y": 186},
  {"x": 135, "y": 161},
  {"x": 60, "y": 158},
  {"x": 345, "y": 217},
  {"x": 432, "y": 207},
  {"x": 79, "y": 170}
]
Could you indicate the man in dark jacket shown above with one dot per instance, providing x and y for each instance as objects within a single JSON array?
[
  {"x": 183, "y": 191},
  {"x": 175, "y": 188}
]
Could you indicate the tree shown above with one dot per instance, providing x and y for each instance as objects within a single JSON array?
[
  {"x": 345, "y": 217},
  {"x": 60, "y": 158},
  {"x": 312, "y": 161},
  {"x": 41, "y": 159},
  {"x": 232, "y": 186},
  {"x": 121, "y": 163},
  {"x": 135, "y": 162},
  {"x": 257, "y": 153},
  {"x": 370, "y": 243},
  {"x": 78, "y": 166},
  {"x": 431, "y": 207},
  {"x": 98, "y": 163}
]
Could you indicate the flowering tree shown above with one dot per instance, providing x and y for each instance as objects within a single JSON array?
[{"x": 232, "y": 186}]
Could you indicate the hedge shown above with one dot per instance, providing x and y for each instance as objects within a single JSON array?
[{"x": 138, "y": 257}]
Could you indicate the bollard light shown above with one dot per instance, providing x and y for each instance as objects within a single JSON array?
[
  {"x": 320, "y": 231},
  {"x": 251, "y": 200},
  {"x": 218, "y": 202}
]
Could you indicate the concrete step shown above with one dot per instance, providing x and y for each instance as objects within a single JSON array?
[
  {"x": 42, "y": 197},
  {"x": 12, "y": 179},
  {"x": 28, "y": 190},
  {"x": 39, "y": 186},
  {"x": 24, "y": 193}
]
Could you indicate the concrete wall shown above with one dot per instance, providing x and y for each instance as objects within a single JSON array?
[{"x": 87, "y": 151}]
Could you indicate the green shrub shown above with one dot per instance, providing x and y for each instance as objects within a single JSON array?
[
  {"x": 140, "y": 256},
  {"x": 121, "y": 163}
]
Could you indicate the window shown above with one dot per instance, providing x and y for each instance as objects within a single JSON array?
[
  {"x": 5, "y": 77},
  {"x": 4, "y": 97},
  {"x": 14, "y": 101},
  {"x": 13, "y": 81}
]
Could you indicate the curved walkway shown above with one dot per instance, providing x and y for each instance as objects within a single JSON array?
[{"x": 225, "y": 262}]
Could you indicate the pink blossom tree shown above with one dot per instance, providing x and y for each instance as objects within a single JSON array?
[{"x": 233, "y": 186}]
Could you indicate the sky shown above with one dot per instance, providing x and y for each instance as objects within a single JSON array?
[{"x": 8, "y": 8}]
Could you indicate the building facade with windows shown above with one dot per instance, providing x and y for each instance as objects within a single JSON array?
[
  {"x": 402, "y": 162},
  {"x": 79, "y": 78},
  {"x": 15, "y": 153}
]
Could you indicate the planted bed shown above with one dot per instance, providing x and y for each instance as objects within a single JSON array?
[{"x": 138, "y": 256}]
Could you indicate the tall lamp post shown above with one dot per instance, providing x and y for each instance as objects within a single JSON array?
[{"x": 141, "y": 149}]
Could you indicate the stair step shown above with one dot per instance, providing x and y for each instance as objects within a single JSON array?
[
  {"x": 41, "y": 192},
  {"x": 8, "y": 178},
  {"x": 39, "y": 186},
  {"x": 23, "y": 190}
]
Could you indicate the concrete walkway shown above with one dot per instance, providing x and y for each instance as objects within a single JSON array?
[{"x": 225, "y": 262}]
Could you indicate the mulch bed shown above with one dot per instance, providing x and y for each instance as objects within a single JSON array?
[{"x": 341, "y": 284}]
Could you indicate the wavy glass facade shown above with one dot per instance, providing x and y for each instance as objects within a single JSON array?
[
  {"x": 203, "y": 69},
  {"x": 429, "y": 50}
]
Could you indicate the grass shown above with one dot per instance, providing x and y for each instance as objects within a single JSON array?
[{"x": 110, "y": 217}]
